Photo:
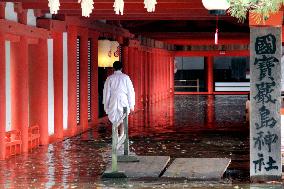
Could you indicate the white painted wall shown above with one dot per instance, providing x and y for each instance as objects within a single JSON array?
[
  {"x": 10, "y": 14},
  {"x": 8, "y": 85},
  {"x": 31, "y": 19},
  {"x": 65, "y": 81},
  {"x": 50, "y": 87}
]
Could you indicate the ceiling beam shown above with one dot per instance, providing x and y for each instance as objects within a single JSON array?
[
  {"x": 207, "y": 41},
  {"x": 212, "y": 53},
  {"x": 191, "y": 35},
  {"x": 196, "y": 2},
  {"x": 106, "y": 5}
]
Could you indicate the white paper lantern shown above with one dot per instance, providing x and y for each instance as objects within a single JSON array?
[
  {"x": 53, "y": 6},
  {"x": 216, "y": 6},
  {"x": 118, "y": 6},
  {"x": 87, "y": 7},
  {"x": 150, "y": 5},
  {"x": 104, "y": 53},
  {"x": 115, "y": 51}
]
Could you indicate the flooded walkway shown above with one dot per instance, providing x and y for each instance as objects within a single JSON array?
[{"x": 186, "y": 126}]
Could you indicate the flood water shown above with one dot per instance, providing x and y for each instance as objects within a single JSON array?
[{"x": 186, "y": 126}]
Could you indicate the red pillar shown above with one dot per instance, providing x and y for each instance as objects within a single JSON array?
[
  {"x": 20, "y": 89},
  {"x": 141, "y": 77},
  {"x": 38, "y": 83},
  {"x": 84, "y": 80},
  {"x": 2, "y": 97},
  {"x": 131, "y": 53},
  {"x": 160, "y": 80},
  {"x": 72, "y": 44},
  {"x": 210, "y": 79},
  {"x": 136, "y": 77},
  {"x": 125, "y": 59},
  {"x": 144, "y": 68},
  {"x": 169, "y": 75},
  {"x": 172, "y": 88},
  {"x": 58, "y": 83},
  {"x": 155, "y": 75},
  {"x": 94, "y": 79},
  {"x": 151, "y": 78}
]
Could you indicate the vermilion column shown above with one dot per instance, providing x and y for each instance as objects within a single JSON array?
[
  {"x": 169, "y": 74},
  {"x": 58, "y": 83},
  {"x": 84, "y": 80},
  {"x": 172, "y": 89},
  {"x": 155, "y": 75},
  {"x": 136, "y": 77},
  {"x": 125, "y": 59},
  {"x": 72, "y": 44},
  {"x": 130, "y": 63},
  {"x": 165, "y": 65},
  {"x": 2, "y": 97},
  {"x": 210, "y": 69},
  {"x": 161, "y": 79},
  {"x": 151, "y": 78},
  {"x": 38, "y": 83},
  {"x": 94, "y": 79},
  {"x": 147, "y": 75},
  {"x": 141, "y": 77},
  {"x": 130, "y": 67},
  {"x": 144, "y": 69},
  {"x": 20, "y": 89}
]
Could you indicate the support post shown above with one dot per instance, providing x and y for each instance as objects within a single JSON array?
[
  {"x": 72, "y": 37},
  {"x": 38, "y": 73},
  {"x": 2, "y": 97},
  {"x": 84, "y": 79},
  {"x": 94, "y": 79},
  {"x": 20, "y": 89},
  {"x": 125, "y": 125},
  {"x": 58, "y": 83}
]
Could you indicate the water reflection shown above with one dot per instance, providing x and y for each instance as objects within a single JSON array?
[{"x": 186, "y": 126}]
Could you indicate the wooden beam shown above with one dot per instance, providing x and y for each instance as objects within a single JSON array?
[
  {"x": 15, "y": 28},
  {"x": 192, "y": 2},
  {"x": 211, "y": 53},
  {"x": 208, "y": 41},
  {"x": 198, "y": 38},
  {"x": 109, "y": 5},
  {"x": 98, "y": 26}
]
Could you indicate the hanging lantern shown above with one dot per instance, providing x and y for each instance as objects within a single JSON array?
[
  {"x": 53, "y": 6},
  {"x": 118, "y": 6},
  {"x": 217, "y": 7},
  {"x": 87, "y": 7},
  {"x": 150, "y": 5},
  {"x": 115, "y": 51},
  {"x": 104, "y": 53}
]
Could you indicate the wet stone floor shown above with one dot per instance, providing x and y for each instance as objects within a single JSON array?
[{"x": 186, "y": 126}]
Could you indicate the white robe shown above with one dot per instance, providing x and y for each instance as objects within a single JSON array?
[{"x": 118, "y": 93}]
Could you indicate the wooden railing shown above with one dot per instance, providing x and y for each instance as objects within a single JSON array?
[
  {"x": 34, "y": 137},
  {"x": 13, "y": 142},
  {"x": 187, "y": 84}
]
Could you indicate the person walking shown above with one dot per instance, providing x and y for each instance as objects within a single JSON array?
[{"x": 118, "y": 92}]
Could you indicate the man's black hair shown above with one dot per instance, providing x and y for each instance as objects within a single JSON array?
[{"x": 117, "y": 65}]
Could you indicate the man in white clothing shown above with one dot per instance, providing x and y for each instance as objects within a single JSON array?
[{"x": 118, "y": 93}]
